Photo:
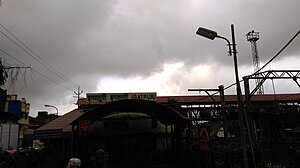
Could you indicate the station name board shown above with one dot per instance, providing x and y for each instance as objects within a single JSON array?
[{"x": 108, "y": 97}]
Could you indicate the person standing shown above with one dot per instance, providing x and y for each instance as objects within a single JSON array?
[{"x": 99, "y": 158}]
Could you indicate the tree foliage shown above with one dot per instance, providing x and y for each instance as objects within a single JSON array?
[{"x": 3, "y": 74}]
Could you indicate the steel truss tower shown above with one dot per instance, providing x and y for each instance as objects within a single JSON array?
[{"x": 253, "y": 37}]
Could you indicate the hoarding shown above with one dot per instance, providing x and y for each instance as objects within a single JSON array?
[
  {"x": 14, "y": 107},
  {"x": 108, "y": 97}
]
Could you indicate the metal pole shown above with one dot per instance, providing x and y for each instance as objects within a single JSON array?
[
  {"x": 239, "y": 99},
  {"x": 222, "y": 101}
]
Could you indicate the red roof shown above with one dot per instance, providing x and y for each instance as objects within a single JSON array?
[
  {"x": 228, "y": 98},
  {"x": 206, "y": 99}
]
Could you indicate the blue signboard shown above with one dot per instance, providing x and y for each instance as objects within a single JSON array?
[{"x": 15, "y": 107}]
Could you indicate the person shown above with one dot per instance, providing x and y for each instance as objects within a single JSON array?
[
  {"x": 105, "y": 159},
  {"x": 100, "y": 158},
  {"x": 74, "y": 163}
]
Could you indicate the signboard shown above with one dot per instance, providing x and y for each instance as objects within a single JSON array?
[
  {"x": 204, "y": 139},
  {"x": 84, "y": 125},
  {"x": 14, "y": 107},
  {"x": 108, "y": 97},
  {"x": 48, "y": 134}
]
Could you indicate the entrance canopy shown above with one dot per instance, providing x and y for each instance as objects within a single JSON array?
[{"x": 161, "y": 112}]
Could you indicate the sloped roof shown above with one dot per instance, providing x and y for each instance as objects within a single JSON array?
[
  {"x": 164, "y": 113},
  {"x": 63, "y": 122}
]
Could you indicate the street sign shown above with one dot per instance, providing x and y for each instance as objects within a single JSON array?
[
  {"x": 203, "y": 139},
  {"x": 84, "y": 125}
]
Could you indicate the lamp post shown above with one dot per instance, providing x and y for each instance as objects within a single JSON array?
[
  {"x": 210, "y": 34},
  {"x": 47, "y": 105}
]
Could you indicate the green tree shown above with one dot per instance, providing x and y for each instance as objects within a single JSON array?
[{"x": 3, "y": 74}]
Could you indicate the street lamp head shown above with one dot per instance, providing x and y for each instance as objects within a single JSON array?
[
  {"x": 210, "y": 34},
  {"x": 47, "y": 105}
]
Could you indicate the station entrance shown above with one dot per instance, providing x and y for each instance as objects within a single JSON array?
[
  {"x": 130, "y": 131},
  {"x": 138, "y": 130}
]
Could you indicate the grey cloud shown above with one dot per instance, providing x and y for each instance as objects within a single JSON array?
[{"x": 87, "y": 40}]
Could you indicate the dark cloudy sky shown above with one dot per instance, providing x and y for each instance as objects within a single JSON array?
[{"x": 140, "y": 45}]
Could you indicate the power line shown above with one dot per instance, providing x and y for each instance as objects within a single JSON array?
[
  {"x": 276, "y": 55},
  {"x": 279, "y": 52},
  {"x": 36, "y": 57},
  {"x": 42, "y": 62},
  {"x": 45, "y": 76},
  {"x": 12, "y": 57}
]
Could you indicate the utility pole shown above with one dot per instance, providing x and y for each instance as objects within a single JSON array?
[
  {"x": 240, "y": 101},
  {"x": 4, "y": 72},
  {"x": 78, "y": 93},
  {"x": 222, "y": 103},
  {"x": 210, "y": 34}
]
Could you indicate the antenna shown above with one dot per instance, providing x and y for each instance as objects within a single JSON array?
[{"x": 78, "y": 93}]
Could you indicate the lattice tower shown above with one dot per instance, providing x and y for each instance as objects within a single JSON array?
[{"x": 253, "y": 36}]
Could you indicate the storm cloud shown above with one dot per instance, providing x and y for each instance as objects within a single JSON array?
[{"x": 133, "y": 45}]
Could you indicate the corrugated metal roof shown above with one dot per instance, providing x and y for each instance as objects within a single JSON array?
[
  {"x": 206, "y": 99},
  {"x": 63, "y": 122},
  {"x": 278, "y": 97},
  {"x": 229, "y": 98}
]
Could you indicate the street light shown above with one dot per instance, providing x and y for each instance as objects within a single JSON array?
[
  {"x": 210, "y": 34},
  {"x": 47, "y": 105}
]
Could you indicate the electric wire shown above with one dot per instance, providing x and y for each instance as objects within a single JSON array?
[
  {"x": 276, "y": 55},
  {"x": 36, "y": 57},
  {"x": 279, "y": 52},
  {"x": 42, "y": 62},
  {"x": 43, "y": 75},
  {"x": 6, "y": 53}
]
